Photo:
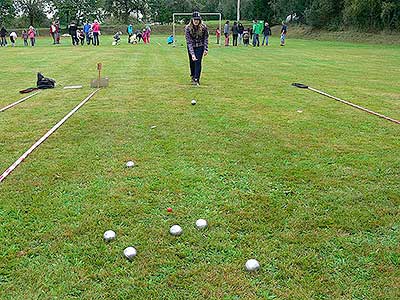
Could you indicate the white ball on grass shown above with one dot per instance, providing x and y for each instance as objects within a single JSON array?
[
  {"x": 201, "y": 224},
  {"x": 252, "y": 265},
  {"x": 130, "y": 253},
  {"x": 175, "y": 230},
  {"x": 130, "y": 164},
  {"x": 109, "y": 235},
  {"x": 194, "y": 102}
]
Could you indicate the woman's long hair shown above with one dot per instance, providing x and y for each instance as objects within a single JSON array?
[{"x": 196, "y": 31}]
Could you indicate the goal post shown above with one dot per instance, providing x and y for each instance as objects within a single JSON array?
[{"x": 174, "y": 15}]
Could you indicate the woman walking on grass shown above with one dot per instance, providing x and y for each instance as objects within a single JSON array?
[{"x": 197, "y": 43}]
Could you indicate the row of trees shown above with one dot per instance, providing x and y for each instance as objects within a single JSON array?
[{"x": 329, "y": 14}]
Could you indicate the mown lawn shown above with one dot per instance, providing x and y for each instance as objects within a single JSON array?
[{"x": 313, "y": 196}]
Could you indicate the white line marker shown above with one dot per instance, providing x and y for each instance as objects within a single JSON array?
[{"x": 43, "y": 138}]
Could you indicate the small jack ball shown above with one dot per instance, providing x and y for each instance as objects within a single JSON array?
[
  {"x": 194, "y": 102},
  {"x": 252, "y": 265},
  {"x": 169, "y": 209},
  {"x": 109, "y": 235}
]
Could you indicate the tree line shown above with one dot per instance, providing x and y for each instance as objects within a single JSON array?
[{"x": 366, "y": 15}]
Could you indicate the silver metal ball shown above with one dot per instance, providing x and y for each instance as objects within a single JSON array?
[
  {"x": 252, "y": 265},
  {"x": 130, "y": 164},
  {"x": 201, "y": 224},
  {"x": 130, "y": 253},
  {"x": 109, "y": 235},
  {"x": 175, "y": 230}
]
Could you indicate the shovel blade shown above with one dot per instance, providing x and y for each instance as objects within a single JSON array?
[{"x": 103, "y": 82}]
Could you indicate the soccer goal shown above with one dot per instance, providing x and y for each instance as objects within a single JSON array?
[{"x": 175, "y": 15}]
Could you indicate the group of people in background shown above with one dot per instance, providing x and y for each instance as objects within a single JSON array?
[
  {"x": 241, "y": 35},
  {"x": 135, "y": 36},
  {"x": 89, "y": 33},
  {"x": 27, "y": 35}
]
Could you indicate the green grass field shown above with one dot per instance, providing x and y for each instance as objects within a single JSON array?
[{"x": 313, "y": 196}]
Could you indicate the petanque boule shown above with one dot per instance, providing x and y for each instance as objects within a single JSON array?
[
  {"x": 130, "y": 164},
  {"x": 252, "y": 265},
  {"x": 201, "y": 224},
  {"x": 130, "y": 253},
  {"x": 194, "y": 102},
  {"x": 109, "y": 236},
  {"x": 175, "y": 230}
]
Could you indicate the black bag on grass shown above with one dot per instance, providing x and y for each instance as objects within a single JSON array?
[{"x": 45, "y": 83}]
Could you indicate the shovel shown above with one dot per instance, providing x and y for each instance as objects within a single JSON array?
[{"x": 99, "y": 82}]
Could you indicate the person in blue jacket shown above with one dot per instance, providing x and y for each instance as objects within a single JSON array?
[
  {"x": 86, "y": 31},
  {"x": 129, "y": 31}
]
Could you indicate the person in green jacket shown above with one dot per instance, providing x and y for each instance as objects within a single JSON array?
[{"x": 257, "y": 28}]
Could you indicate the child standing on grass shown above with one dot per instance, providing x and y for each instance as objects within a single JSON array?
[
  {"x": 148, "y": 33},
  {"x": 57, "y": 24},
  {"x": 81, "y": 36},
  {"x": 246, "y": 37},
  {"x": 13, "y": 38},
  {"x": 32, "y": 35},
  {"x": 144, "y": 36},
  {"x": 25, "y": 38},
  {"x": 117, "y": 38},
  {"x": 218, "y": 35},
  {"x": 139, "y": 36},
  {"x": 90, "y": 36}
]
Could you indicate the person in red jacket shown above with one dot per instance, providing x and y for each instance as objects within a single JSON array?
[
  {"x": 218, "y": 35},
  {"x": 96, "y": 33}
]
